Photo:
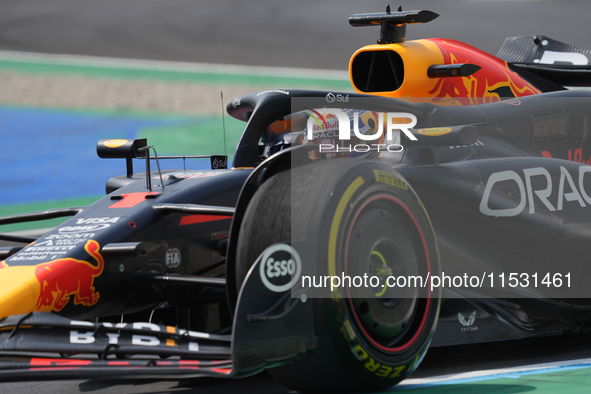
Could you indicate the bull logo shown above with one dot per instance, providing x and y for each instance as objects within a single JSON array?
[
  {"x": 492, "y": 83},
  {"x": 63, "y": 278}
]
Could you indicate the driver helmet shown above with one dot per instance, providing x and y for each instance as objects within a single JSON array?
[
  {"x": 283, "y": 133},
  {"x": 323, "y": 128}
]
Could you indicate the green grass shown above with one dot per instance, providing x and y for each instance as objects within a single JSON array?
[
  {"x": 202, "y": 137},
  {"x": 13, "y": 209},
  {"x": 210, "y": 77}
]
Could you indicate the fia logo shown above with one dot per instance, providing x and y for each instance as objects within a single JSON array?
[
  {"x": 468, "y": 325},
  {"x": 173, "y": 258}
]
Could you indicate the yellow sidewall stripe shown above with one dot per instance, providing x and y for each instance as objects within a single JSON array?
[{"x": 336, "y": 223}]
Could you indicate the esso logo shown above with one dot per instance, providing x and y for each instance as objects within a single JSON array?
[{"x": 280, "y": 267}]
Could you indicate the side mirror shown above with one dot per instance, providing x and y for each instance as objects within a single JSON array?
[{"x": 122, "y": 149}]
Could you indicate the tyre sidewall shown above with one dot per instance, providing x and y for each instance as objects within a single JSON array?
[{"x": 343, "y": 348}]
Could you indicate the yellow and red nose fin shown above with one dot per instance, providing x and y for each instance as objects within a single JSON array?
[
  {"x": 49, "y": 286},
  {"x": 19, "y": 289},
  {"x": 406, "y": 70},
  {"x": 445, "y": 72}
]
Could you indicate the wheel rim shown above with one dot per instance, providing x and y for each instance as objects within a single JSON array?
[
  {"x": 393, "y": 318},
  {"x": 390, "y": 312}
]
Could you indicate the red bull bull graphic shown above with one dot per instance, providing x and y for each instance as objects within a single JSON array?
[
  {"x": 49, "y": 287},
  {"x": 491, "y": 83},
  {"x": 65, "y": 278},
  {"x": 491, "y": 79}
]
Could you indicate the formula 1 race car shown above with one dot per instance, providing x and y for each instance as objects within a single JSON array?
[{"x": 445, "y": 202}]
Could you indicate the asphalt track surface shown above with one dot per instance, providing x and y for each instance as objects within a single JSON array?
[{"x": 302, "y": 33}]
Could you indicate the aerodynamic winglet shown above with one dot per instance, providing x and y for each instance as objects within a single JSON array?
[{"x": 393, "y": 24}]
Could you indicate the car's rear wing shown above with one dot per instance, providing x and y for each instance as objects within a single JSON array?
[{"x": 549, "y": 59}]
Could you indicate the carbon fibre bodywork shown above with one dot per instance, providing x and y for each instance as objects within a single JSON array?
[{"x": 153, "y": 268}]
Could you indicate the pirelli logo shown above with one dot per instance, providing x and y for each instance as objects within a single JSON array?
[{"x": 389, "y": 179}]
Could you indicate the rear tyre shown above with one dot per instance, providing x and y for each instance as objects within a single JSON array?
[{"x": 360, "y": 219}]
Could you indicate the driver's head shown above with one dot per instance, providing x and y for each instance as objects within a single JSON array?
[{"x": 283, "y": 133}]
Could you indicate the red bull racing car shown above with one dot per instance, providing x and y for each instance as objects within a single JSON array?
[{"x": 445, "y": 202}]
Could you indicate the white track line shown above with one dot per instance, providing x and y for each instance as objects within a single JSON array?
[
  {"x": 161, "y": 65},
  {"x": 496, "y": 373}
]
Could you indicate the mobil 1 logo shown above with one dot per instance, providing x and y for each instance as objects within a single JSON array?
[{"x": 280, "y": 267}]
